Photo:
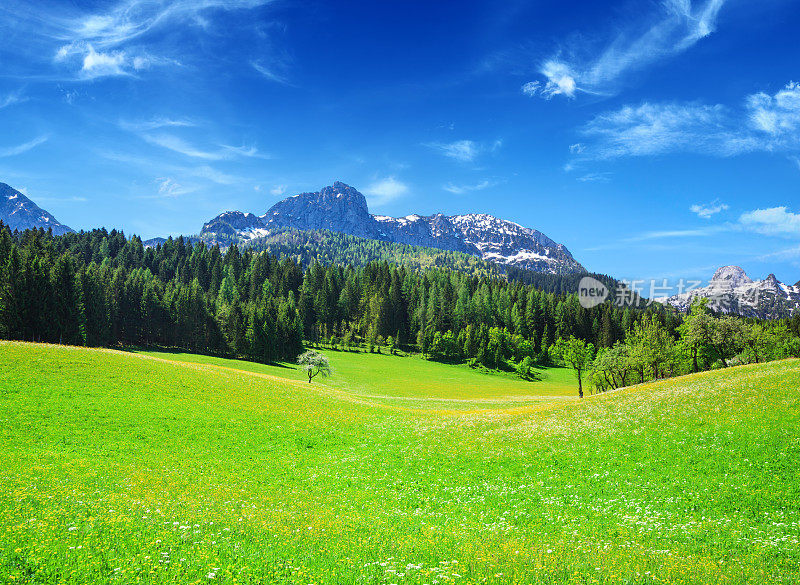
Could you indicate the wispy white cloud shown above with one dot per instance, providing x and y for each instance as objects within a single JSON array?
[
  {"x": 103, "y": 64},
  {"x": 145, "y": 61},
  {"x": 183, "y": 174},
  {"x": 792, "y": 253},
  {"x": 155, "y": 124},
  {"x": 765, "y": 123},
  {"x": 706, "y": 210},
  {"x": 179, "y": 145},
  {"x": 278, "y": 190},
  {"x": 595, "y": 178},
  {"x": 124, "y": 37},
  {"x": 132, "y": 19},
  {"x": 21, "y": 148},
  {"x": 464, "y": 150},
  {"x": 75, "y": 199},
  {"x": 131, "y": 159},
  {"x": 269, "y": 72},
  {"x": 174, "y": 180},
  {"x": 560, "y": 81},
  {"x": 10, "y": 99},
  {"x": 169, "y": 187},
  {"x": 384, "y": 191},
  {"x": 678, "y": 25},
  {"x": 214, "y": 175},
  {"x": 94, "y": 64},
  {"x": 461, "y": 150},
  {"x": 772, "y": 221},
  {"x": 650, "y": 129},
  {"x": 461, "y": 189},
  {"x": 777, "y": 116},
  {"x": 651, "y": 238},
  {"x": 245, "y": 151},
  {"x": 665, "y": 234}
]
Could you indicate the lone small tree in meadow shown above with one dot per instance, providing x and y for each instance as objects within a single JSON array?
[
  {"x": 313, "y": 362},
  {"x": 524, "y": 368},
  {"x": 576, "y": 354}
]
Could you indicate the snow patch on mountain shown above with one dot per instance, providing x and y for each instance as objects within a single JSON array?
[
  {"x": 20, "y": 213},
  {"x": 732, "y": 291},
  {"x": 341, "y": 208}
]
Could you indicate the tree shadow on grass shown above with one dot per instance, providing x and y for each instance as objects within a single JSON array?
[{"x": 179, "y": 350}]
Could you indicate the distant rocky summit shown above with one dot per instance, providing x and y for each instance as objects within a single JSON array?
[
  {"x": 341, "y": 208},
  {"x": 20, "y": 213},
  {"x": 732, "y": 291}
]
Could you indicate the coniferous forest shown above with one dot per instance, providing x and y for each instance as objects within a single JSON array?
[{"x": 100, "y": 288}]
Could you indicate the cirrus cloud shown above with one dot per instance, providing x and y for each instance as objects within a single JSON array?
[
  {"x": 461, "y": 189},
  {"x": 11, "y": 99},
  {"x": 765, "y": 123},
  {"x": 122, "y": 38},
  {"x": 464, "y": 150},
  {"x": 22, "y": 148},
  {"x": 678, "y": 25}
]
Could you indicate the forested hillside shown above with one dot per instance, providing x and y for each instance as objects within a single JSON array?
[
  {"x": 102, "y": 289},
  {"x": 326, "y": 247}
]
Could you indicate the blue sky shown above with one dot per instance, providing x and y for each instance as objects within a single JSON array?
[{"x": 655, "y": 139}]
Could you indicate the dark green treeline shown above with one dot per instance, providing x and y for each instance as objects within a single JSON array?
[{"x": 100, "y": 288}]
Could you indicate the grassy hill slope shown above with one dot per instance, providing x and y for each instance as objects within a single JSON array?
[
  {"x": 412, "y": 381},
  {"x": 123, "y": 468}
]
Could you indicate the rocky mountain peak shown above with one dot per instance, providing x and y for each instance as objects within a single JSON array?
[
  {"x": 339, "y": 194},
  {"x": 732, "y": 291},
  {"x": 20, "y": 213},
  {"x": 342, "y": 208},
  {"x": 731, "y": 276},
  {"x": 338, "y": 207},
  {"x": 772, "y": 280}
]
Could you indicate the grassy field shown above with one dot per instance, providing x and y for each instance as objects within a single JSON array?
[
  {"x": 412, "y": 381},
  {"x": 123, "y": 468}
]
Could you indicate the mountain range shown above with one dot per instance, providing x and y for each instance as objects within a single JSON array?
[
  {"x": 341, "y": 208},
  {"x": 20, "y": 213},
  {"x": 732, "y": 291}
]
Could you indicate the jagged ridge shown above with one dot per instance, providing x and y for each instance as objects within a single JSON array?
[
  {"x": 20, "y": 213},
  {"x": 341, "y": 208},
  {"x": 732, "y": 291}
]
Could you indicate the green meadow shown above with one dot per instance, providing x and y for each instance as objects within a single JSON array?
[
  {"x": 170, "y": 468},
  {"x": 409, "y": 380}
]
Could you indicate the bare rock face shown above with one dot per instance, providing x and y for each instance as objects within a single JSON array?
[
  {"x": 227, "y": 226},
  {"x": 338, "y": 208},
  {"x": 20, "y": 213},
  {"x": 433, "y": 231},
  {"x": 341, "y": 208},
  {"x": 731, "y": 276},
  {"x": 732, "y": 291}
]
